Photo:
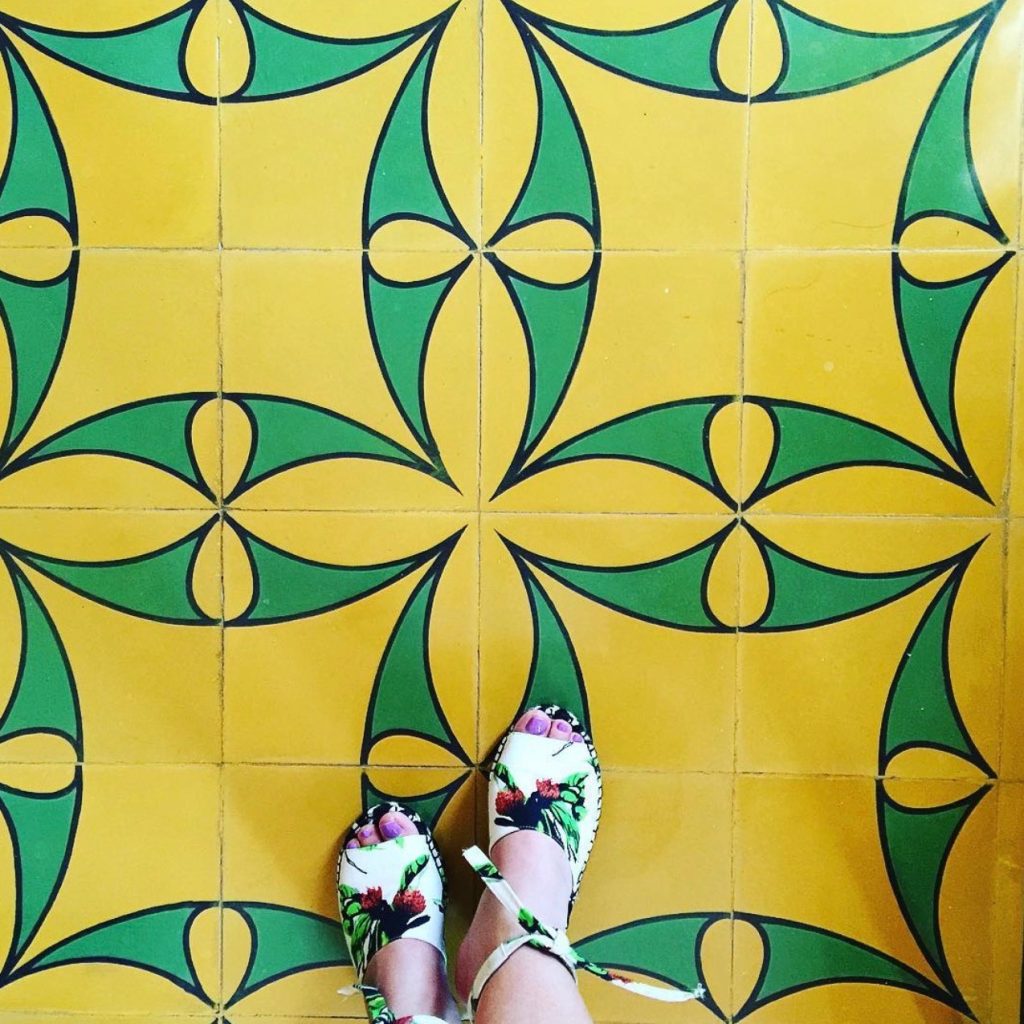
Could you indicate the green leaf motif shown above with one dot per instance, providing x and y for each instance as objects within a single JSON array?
[
  {"x": 678, "y": 56},
  {"x": 671, "y": 436},
  {"x": 35, "y": 177},
  {"x": 810, "y": 440},
  {"x": 155, "y": 431},
  {"x": 156, "y": 585},
  {"x": 853, "y": 56},
  {"x": 289, "y": 62},
  {"x": 933, "y": 318},
  {"x": 42, "y": 829},
  {"x": 805, "y": 594},
  {"x": 403, "y": 182},
  {"x": 401, "y": 316},
  {"x": 799, "y": 957},
  {"x": 147, "y": 57},
  {"x": 411, "y": 871},
  {"x": 153, "y": 940},
  {"x": 43, "y": 698},
  {"x": 666, "y": 592},
  {"x": 941, "y": 178},
  {"x": 921, "y": 710},
  {"x": 555, "y": 675},
  {"x": 917, "y": 842},
  {"x": 286, "y": 941},
  {"x": 559, "y": 182},
  {"x": 554, "y": 319},
  {"x": 287, "y": 586},
  {"x": 289, "y": 433},
  {"x": 403, "y": 700}
]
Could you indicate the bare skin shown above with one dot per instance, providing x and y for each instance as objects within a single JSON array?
[{"x": 532, "y": 985}]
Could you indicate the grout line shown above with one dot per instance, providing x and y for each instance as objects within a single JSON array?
[{"x": 481, "y": 115}]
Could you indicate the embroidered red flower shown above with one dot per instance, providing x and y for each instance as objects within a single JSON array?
[
  {"x": 410, "y": 901},
  {"x": 371, "y": 898},
  {"x": 548, "y": 790},
  {"x": 507, "y": 799}
]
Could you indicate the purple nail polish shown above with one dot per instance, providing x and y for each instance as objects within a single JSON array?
[
  {"x": 390, "y": 829},
  {"x": 562, "y": 726},
  {"x": 577, "y": 738},
  {"x": 366, "y": 832},
  {"x": 352, "y": 844},
  {"x": 536, "y": 726}
]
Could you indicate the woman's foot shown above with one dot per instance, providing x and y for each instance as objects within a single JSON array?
[
  {"x": 534, "y": 865},
  {"x": 409, "y": 973}
]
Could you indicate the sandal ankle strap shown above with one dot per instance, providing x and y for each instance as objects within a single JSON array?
[
  {"x": 552, "y": 941},
  {"x": 377, "y": 1009}
]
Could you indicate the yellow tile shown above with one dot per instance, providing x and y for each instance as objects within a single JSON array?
[
  {"x": 1008, "y": 908},
  {"x": 318, "y": 667},
  {"x": 644, "y": 681},
  {"x": 144, "y": 168},
  {"x": 144, "y": 327},
  {"x": 1013, "y": 727},
  {"x": 817, "y": 674},
  {"x": 822, "y": 333},
  {"x": 827, "y": 171},
  {"x": 808, "y": 851},
  {"x": 119, "y": 867},
  {"x": 295, "y": 328},
  {"x": 148, "y": 689},
  {"x": 699, "y": 201},
  {"x": 293, "y": 180},
  {"x": 1016, "y": 483},
  {"x": 664, "y": 329},
  {"x": 282, "y": 830}
]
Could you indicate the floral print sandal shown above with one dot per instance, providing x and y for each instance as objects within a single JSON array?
[
  {"x": 393, "y": 890},
  {"x": 551, "y": 786}
]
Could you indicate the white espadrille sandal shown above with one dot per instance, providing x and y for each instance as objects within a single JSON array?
[
  {"x": 552, "y": 786},
  {"x": 392, "y": 890}
]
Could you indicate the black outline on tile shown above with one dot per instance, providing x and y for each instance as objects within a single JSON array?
[{"x": 367, "y": 790}]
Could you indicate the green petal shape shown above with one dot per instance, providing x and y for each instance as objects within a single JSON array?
[
  {"x": 287, "y": 586},
  {"x": 42, "y": 828},
  {"x": 429, "y": 806},
  {"x": 288, "y": 62},
  {"x": 35, "y": 177},
  {"x": 153, "y": 940},
  {"x": 289, "y": 433},
  {"x": 853, "y": 57},
  {"x": 286, "y": 941},
  {"x": 555, "y": 674},
  {"x": 43, "y": 698},
  {"x": 921, "y": 710},
  {"x": 800, "y": 956},
  {"x": 155, "y": 585},
  {"x": 666, "y": 948},
  {"x": 917, "y": 842},
  {"x": 805, "y": 594},
  {"x": 678, "y": 56},
  {"x": 403, "y": 182},
  {"x": 559, "y": 183},
  {"x": 810, "y": 440},
  {"x": 667, "y": 592},
  {"x": 403, "y": 701},
  {"x": 35, "y": 318},
  {"x": 147, "y": 57},
  {"x": 555, "y": 319},
  {"x": 155, "y": 431},
  {"x": 672, "y": 436},
  {"x": 941, "y": 178},
  {"x": 933, "y": 318},
  {"x": 401, "y": 316}
]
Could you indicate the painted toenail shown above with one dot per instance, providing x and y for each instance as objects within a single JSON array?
[
  {"x": 390, "y": 829},
  {"x": 366, "y": 832},
  {"x": 561, "y": 726},
  {"x": 352, "y": 844},
  {"x": 577, "y": 738},
  {"x": 536, "y": 726}
]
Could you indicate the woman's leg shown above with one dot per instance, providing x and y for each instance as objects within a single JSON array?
[
  {"x": 409, "y": 973},
  {"x": 532, "y": 987}
]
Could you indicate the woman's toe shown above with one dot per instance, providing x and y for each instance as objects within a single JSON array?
[
  {"x": 560, "y": 730},
  {"x": 352, "y": 844},
  {"x": 395, "y": 824},
  {"x": 576, "y": 738},
  {"x": 368, "y": 835},
  {"x": 536, "y": 723}
]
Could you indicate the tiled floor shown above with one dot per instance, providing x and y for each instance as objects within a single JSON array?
[{"x": 376, "y": 368}]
